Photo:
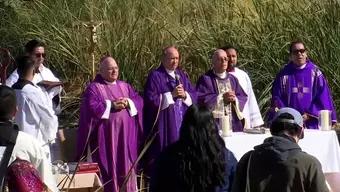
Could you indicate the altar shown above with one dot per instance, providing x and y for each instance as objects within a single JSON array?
[{"x": 323, "y": 145}]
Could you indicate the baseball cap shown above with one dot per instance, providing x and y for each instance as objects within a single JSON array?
[{"x": 298, "y": 120}]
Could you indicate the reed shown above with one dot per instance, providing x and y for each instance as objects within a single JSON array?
[{"x": 135, "y": 31}]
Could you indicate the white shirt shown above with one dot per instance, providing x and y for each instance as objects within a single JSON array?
[
  {"x": 251, "y": 109},
  {"x": 221, "y": 75},
  {"x": 35, "y": 115},
  {"x": 29, "y": 149}
]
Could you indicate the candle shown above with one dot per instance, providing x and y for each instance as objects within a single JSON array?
[
  {"x": 225, "y": 124},
  {"x": 325, "y": 120}
]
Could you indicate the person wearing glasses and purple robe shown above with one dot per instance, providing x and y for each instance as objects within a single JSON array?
[
  {"x": 302, "y": 86},
  {"x": 167, "y": 95},
  {"x": 111, "y": 117},
  {"x": 222, "y": 94}
]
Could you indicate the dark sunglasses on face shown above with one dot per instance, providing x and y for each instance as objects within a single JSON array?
[
  {"x": 297, "y": 51},
  {"x": 40, "y": 55}
]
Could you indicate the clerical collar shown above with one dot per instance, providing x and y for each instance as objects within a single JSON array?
[
  {"x": 299, "y": 67},
  {"x": 221, "y": 75},
  {"x": 302, "y": 66},
  {"x": 171, "y": 73},
  {"x": 111, "y": 83}
]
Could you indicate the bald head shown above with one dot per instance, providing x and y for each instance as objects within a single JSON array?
[
  {"x": 170, "y": 58},
  {"x": 108, "y": 69},
  {"x": 220, "y": 61}
]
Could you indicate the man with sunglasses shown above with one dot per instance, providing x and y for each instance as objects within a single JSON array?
[
  {"x": 44, "y": 77},
  {"x": 302, "y": 86}
]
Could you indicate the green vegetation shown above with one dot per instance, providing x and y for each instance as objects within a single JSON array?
[{"x": 135, "y": 31}]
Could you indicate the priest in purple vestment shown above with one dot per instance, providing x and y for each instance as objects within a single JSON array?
[
  {"x": 302, "y": 86},
  {"x": 111, "y": 115},
  {"x": 167, "y": 95},
  {"x": 222, "y": 93}
]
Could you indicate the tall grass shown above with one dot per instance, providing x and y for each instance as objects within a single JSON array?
[{"x": 135, "y": 31}]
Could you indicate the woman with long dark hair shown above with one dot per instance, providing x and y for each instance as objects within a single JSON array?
[{"x": 198, "y": 161}]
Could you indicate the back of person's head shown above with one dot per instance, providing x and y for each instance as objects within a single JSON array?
[
  {"x": 287, "y": 121},
  {"x": 25, "y": 65},
  {"x": 203, "y": 150},
  {"x": 32, "y": 44},
  {"x": 197, "y": 126},
  {"x": 7, "y": 103}
]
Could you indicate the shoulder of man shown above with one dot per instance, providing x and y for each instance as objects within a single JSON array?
[
  {"x": 182, "y": 72},
  {"x": 315, "y": 70},
  {"x": 30, "y": 90},
  {"x": 155, "y": 72},
  {"x": 93, "y": 86},
  {"x": 27, "y": 137},
  {"x": 245, "y": 158},
  {"x": 283, "y": 70},
  {"x": 307, "y": 160},
  {"x": 124, "y": 83},
  {"x": 46, "y": 69},
  {"x": 238, "y": 70},
  {"x": 27, "y": 143}
]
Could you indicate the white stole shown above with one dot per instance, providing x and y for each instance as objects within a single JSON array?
[{"x": 251, "y": 109}]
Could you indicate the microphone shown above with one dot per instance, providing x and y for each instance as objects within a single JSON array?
[{"x": 178, "y": 81}]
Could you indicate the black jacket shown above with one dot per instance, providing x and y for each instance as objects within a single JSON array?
[{"x": 279, "y": 165}]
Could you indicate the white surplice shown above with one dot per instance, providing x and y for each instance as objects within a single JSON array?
[
  {"x": 251, "y": 109},
  {"x": 36, "y": 116},
  {"x": 29, "y": 149},
  {"x": 45, "y": 74}
]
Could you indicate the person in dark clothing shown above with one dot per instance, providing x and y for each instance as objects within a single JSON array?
[
  {"x": 279, "y": 164},
  {"x": 198, "y": 161}
]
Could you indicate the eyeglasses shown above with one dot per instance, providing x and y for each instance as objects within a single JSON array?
[
  {"x": 297, "y": 51},
  {"x": 40, "y": 55}
]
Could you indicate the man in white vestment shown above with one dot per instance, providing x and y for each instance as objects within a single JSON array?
[
  {"x": 36, "y": 51},
  {"x": 251, "y": 109},
  {"x": 35, "y": 113},
  {"x": 25, "y": 146}
]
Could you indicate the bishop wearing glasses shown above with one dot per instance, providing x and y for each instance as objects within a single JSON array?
[{"x": 302, "y": 86}]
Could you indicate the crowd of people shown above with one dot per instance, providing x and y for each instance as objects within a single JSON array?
[{"x": 177, "y": 125}]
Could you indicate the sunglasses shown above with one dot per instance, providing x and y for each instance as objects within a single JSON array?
[
  {"x": 40, "y": 55},
  {"x": 297, "y": 51}
]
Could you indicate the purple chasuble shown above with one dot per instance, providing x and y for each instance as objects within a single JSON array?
[
  {"x": 116, "y": 138},
  {"x": 207, "y": 92},
  {"x": 169, "y": 120},
  {"x": 305, "y": 90}
]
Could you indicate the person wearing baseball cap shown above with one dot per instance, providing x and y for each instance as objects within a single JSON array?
[{"x": 279, "y": 164}]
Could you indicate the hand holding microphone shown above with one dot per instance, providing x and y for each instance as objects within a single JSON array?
[{"x": 179, "y": 91}]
